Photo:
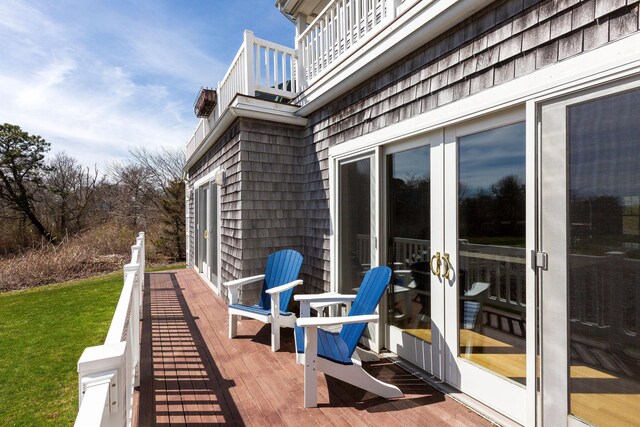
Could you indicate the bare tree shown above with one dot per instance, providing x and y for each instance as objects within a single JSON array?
[
  {"x": 71, "y": 192},
  {"x": 134, "y": 193},
  {"x": 164, "y": 168},
  {"x": 164, "y": 165}
]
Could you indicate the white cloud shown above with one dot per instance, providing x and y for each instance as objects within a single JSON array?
[
  {"x": 95, "y": 78},
  {"x": 94, "y": 96}
]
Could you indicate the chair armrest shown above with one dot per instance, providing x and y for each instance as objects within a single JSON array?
[
  {"x": 284, "y": 287},
  {"x": 244, "y": 281},
  {"x": 328, "y": 321},
  {"x": 324, "y": 298}
]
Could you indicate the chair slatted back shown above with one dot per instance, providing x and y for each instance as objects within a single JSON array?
[
  {"x": 373, "y": 286},
  {"x": 282, "y": 267}
]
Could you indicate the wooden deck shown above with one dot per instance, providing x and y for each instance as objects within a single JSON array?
[{"x": 192, "y": 374}]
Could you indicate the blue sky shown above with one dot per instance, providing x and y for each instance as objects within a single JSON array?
[{"x": 95, "y": 78}]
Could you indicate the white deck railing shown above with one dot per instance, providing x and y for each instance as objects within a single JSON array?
[
  {"x": 200, "y": 133},
  {"x": 503, "y": 267},
  {"x": 259, "y": 67},
  {"x": 107, "y": 374},
  {"x": 339, "y": 29}
]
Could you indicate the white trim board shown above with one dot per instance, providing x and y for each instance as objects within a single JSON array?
[
  {"x": 211, "y": 176},
  {"x": 614, "y": 60},
  {"x": 248, "y": 107},
  {"x": 205, "y": 280}
]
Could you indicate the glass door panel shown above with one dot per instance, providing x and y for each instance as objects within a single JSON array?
[
  {"x": 491, "y": 250},
  {"x": 591, "y": 232},
  {"x": 203, "y": 232},
  {"x": 213, "y": 232},
  {"x": 409, "y": 233},
  {"x": 197, "y": 231},
  {"x": 603, "y": 138},
  {"x": 483, "y": 263},
  {"x": 205, "y": 228},
  {"x": 354, "y": 202}
]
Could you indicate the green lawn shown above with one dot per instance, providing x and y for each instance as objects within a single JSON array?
[{"x": 43, "y": 331}]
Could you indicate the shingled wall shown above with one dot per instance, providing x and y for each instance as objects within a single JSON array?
[
  {"x": 225, "y": 152},
  {"x": 271, "y": 191},
  {"x": 277, "y": 190},
  {"x": 261, "y": 201},
  {"x": 507, "y": 40}
]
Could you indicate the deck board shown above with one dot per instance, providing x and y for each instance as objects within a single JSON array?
[{"x": 192, "y": 374}]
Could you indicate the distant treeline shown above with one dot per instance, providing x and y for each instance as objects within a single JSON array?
[{"x": 50, "y": 200}]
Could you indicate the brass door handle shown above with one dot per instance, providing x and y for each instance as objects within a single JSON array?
[
  {"x": 447, "y": 267},
  {"x": 436, "y": 271}
]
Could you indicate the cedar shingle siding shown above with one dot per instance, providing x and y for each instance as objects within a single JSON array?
[
  {"x": 261, "y": 202},
  {"x": 277, "y": 192}
]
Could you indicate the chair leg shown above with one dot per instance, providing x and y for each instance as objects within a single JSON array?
[
  {"x": 275, "y": 336},
  {"x": 233, "y": 325},
  {"x": 310, "y": 367},
  {"x": 275, "y": 322},
  {"x": 357, "y": 376}
]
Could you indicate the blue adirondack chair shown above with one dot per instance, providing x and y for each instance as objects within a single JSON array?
[
  {"x": 334, "y": 352},
  {"x": 277, "y": 286}
]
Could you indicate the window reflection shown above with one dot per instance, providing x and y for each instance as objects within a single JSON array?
[
  {"x": 491, "y": 254},
  {"x": 409, "y": 216},
  {"x": 355, "y": 224},
  {"x": 604, "y": 258}
]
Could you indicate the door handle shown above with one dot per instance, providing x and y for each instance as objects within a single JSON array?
[
  {"x": 447, "y": 267},
  {"x": 436, "y": 271}
]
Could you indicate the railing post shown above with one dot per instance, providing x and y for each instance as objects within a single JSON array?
[
  {"x": 219, "y": 104},
  {"x": 392, "y": 8},
  {"x": 134, "y": 322},
  {"x": 142, "y": 262},
  {"x": 100, "y": 364},
  {"x": 300, "y": 78},
  {"x": 249, "y": 69}
]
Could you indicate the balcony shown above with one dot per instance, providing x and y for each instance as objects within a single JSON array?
[
  {"x": 340, "y": 44},
  {"x": 260, "y": 69},
  {"x": 338, "y": 30}
]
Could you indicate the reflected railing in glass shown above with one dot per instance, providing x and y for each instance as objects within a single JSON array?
[
  {"x": 410, "y": 294},
  {"x": 492, "y": 307},
  {"x": 501, "y": 307}
]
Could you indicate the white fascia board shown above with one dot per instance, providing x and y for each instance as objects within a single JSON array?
[
  {"x": 297, "y": 7},
  {"x": 249, "y": 107},
  {"x": 420, "y": 24},
  {"x": 615, "y": 60},
  {"x": 245, "y": 106}
]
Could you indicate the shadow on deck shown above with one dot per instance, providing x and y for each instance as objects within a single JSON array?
[{"x": 192, "y": 374}]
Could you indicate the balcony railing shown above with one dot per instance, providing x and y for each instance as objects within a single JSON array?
[
  {"x": 338, "y": 30},
  {"x": 260, "y": 68},
  {"x": 107, "y": 374}
]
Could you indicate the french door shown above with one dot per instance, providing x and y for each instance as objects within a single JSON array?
[
  {"x": 455, "y": 228},
  {"x": 590, "y": 232},
  {"x": 207, "y": 245},
  {"x": 413, "y": 190}
]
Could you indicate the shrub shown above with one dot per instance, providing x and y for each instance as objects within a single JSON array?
[{"x": 104, "y": 248}]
